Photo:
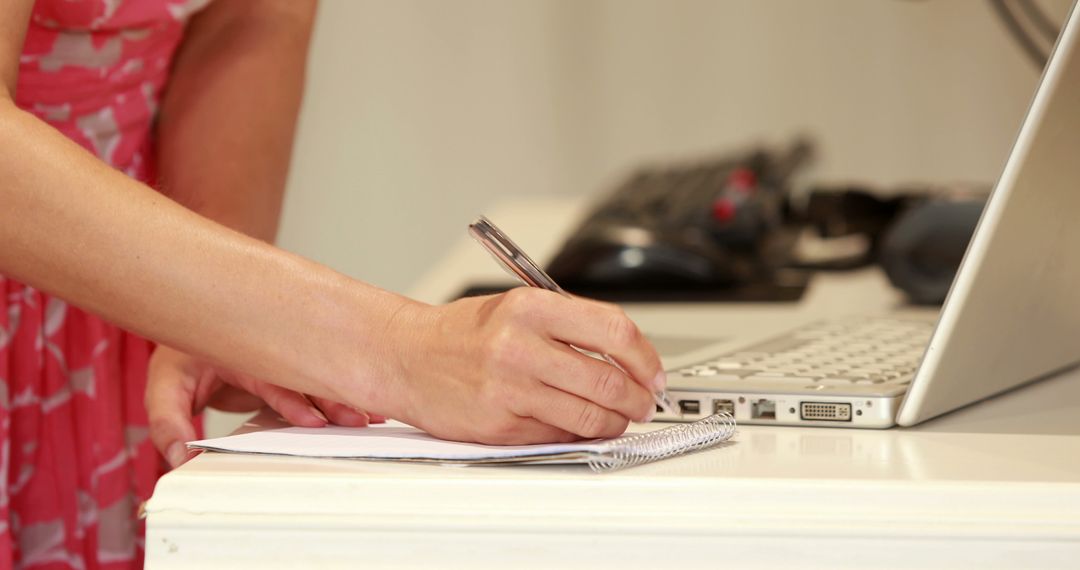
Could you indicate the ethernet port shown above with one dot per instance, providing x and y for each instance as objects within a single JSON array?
[{"x": 763, "y": 410}]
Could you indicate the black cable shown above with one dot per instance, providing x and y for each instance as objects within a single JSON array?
[
  {"x": 1033, "y": 51},
  {"x": 1039, "y": 19}
]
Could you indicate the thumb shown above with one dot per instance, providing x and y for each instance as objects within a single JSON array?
[{"x": 170, "y": 397}]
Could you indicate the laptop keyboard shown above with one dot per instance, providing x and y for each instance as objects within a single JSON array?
[{"x": 882, "y": 351}]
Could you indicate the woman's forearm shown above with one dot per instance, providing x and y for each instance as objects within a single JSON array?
[
  {"x": 73, "y": 226},
  {"x": 493, "y": 369},
  {"x": 224, "y": 135}
]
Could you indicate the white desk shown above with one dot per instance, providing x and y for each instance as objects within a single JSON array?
[{"x": 993, "y": 485}]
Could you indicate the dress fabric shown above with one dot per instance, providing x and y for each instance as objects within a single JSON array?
[{"x": 75, "y": 457}]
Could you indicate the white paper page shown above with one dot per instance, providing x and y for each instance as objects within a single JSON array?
[{"x": 391, "y": 440}]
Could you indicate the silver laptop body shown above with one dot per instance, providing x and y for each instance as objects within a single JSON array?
[{"x": 1011, "y": 317}]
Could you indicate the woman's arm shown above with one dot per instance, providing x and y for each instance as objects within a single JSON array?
[
  {"x": 224, "y": 140},
  {"x": 229, "y": 112},
  {"x": 493, "y": 369},
  {"x": 75, "y": 227}
]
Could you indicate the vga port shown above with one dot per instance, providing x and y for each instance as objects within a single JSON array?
[{"x": 825, "y": 411}]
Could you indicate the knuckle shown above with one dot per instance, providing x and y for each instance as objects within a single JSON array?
[
  {"x": 160, "y": 425},
  {"x": 499, "y": 395},
  {"x": 501, "y": 350},
  {"x": 610, "y": 386},
  {"x": 498, "y": 389},
  {"x": 590, "y": 421},
  {"x": 622, "y": 331},
  {"x": 517, "y": 301},
  {"x": 273, "y": 398}
]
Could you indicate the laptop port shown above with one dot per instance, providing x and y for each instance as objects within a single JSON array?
[
  {"x": 763, "y": 410},
  {"x": 689, "y": 407},
  {"x": 825, "y": 411},
  {"x": 721, "y": 406}
]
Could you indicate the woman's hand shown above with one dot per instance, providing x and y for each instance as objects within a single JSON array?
[
  {"x": 500, "y": 369},
  {"x": 181, "y": 386}
]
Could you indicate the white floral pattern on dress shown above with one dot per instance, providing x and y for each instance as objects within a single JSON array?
[{"x": 75, "y": 456}]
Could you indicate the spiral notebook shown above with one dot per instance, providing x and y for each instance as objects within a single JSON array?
[{"x": 394, "y": 441}]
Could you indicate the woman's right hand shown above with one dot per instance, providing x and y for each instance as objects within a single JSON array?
[{"x": 500, "y": 369}]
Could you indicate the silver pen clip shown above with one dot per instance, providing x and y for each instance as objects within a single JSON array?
[{"x": 520, "y": 265}]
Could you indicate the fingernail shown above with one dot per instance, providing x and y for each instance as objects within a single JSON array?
[
  {"x": 176, "y": 454},
  {"x": 318, "y": 413},
  {"x": 649, "y": 416},
  {"x": 362, "y": 414},
  {"x": 660, "y": 382}
]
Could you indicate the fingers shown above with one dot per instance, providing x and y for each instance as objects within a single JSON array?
[
  {"x": 232, "y": 399},
  {"x": 170, "y": 395},
  {"x": 576, "y": 415},
  {"x": 595, "y": 326},
  {"x": 341, "y": 414},
  {"x": 505, "y": 373},
  {"x": 597, "y": 381},
  {"x": 301, "y": 410},
  {"x": 293, "y": 406}
]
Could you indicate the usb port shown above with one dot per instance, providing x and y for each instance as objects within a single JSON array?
[
  {"x": 688, "y": 407},
  {"x": 721, "y": 406}
]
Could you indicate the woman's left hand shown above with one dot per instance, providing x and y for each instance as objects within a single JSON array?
[{"x": 180, "y": 387}]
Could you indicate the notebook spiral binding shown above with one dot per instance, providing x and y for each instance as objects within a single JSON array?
[{"x": 631, "y": 450}]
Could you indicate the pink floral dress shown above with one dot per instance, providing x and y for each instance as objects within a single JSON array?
[{"x": 75, "y": 454}]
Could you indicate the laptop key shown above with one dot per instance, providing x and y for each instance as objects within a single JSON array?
[
  {"x": 717, "y": 374},
  {"x": 777, "y": 378},
  {"x": 782, "y": 344},
  {"x": 826, "y": 357},
  {"x": 835, "y": 381}
]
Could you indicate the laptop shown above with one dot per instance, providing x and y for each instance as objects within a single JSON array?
[{"x": 1011, "y": 317}]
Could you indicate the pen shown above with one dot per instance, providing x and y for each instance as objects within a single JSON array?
[{"x": 518, "y": 263}]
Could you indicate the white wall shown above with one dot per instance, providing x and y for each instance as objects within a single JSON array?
[{"x": 420, "y": 113}]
